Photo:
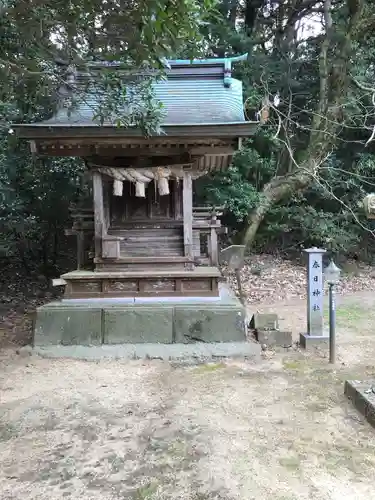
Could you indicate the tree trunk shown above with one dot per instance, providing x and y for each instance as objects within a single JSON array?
[
  {"x": 334, "y": 77},
  {"x": 273, "y": 192}
]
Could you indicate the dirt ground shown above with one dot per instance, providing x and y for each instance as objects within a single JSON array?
[{"x": 280, "y": 429}]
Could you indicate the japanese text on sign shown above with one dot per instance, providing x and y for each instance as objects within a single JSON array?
[{"x": 315, "y": 291}]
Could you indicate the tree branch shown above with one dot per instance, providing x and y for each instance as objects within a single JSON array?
[{"x": 334, "y": 78}]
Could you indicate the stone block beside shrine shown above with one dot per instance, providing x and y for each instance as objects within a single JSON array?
[
  {"x": 362, "y": 395},
  {"x": 275, "y": 338}
]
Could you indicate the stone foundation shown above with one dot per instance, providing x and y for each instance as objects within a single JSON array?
[
  {"x": 186, "y": 353},
  {"x": 96, "y": 322}
]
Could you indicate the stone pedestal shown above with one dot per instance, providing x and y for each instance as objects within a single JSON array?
[
  {"x": 309, "y": 341},
  {"x": 314, "y": 335},
  {"x": 275, "y": 338},
  {"x": 136, "y": 321}
]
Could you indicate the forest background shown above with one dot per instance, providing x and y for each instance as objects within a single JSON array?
[{"x": 309, "y": 79}]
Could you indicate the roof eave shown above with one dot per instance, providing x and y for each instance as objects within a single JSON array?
[{"x": 40, "y": 131}]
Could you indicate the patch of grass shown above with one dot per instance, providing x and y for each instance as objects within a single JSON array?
[
  {"x": 350, "y": 315},
  {"x": 209, "y": 367},
  {"x": 348, "y": 458},
  {"x": 290, "y": 463},
  {"x": 7, "y": 431},
  {"x": 290, "y": 364},
  {"x": 317, "y": 407},
  {"x": 146, "y": 492},
  {"x": 178, "y": 448},
  {"x": 288, "y": 497}
]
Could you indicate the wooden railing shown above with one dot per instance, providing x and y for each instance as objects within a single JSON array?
[
  {"x": 83, "y": 230},
  {"x": 206, "y": 227}
]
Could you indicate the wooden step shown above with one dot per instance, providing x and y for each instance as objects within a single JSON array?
[
  {"x": 141, "y": 231},
  {"x": 146, "y": 260},
  {"x": 140, "y": 242},
  {"x": 134, "y": 252}
]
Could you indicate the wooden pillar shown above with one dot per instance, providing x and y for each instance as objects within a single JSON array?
[
  {"x": 214, "y": 247},
  {"x": 187, "y": 201},
  {"x": 97, "y": 189},
  {"x": 80, "y": 249},
  {"x": 177, "y": 199},
  {"x": 106, "y": 205}
]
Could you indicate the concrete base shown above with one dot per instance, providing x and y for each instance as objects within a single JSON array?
[
  {"x": 95, "y": 322},
  {"x": 309, "y": 341},
  {"x": 362, "y": 397},
  {"x": 195, "y": 353},
  {"x": 275, "y": 338}
]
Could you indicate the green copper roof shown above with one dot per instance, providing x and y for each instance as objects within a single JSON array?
[{"x": 194, "y": 93}]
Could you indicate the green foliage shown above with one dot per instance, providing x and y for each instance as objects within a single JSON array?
[
  {"x": 34, "y": 206},
  {"x": 43, "y": 45},
  {"x": 328, "y": 213},
  {"x": 294, "y": 227},
  {"x": 237, "y": 188},
  {"x": 42, "y": 40}
]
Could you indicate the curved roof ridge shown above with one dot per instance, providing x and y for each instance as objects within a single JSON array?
[{"x": 210, "y": 61}]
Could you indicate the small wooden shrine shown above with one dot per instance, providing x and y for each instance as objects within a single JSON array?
[
  {"x": 147, "y": 259},
  {"x": 149, "y": 239}
]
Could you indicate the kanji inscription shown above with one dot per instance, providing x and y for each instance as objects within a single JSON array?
[{"x": 315, "y": 291}]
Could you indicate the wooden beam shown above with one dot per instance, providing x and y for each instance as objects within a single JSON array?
[
  {"x": 97, "y": 185},
  {"x": 213, "y": 150},
  {"x": 107, "y": 146},
  {"x": 113, "y": 151},
  {"x": 187, "y": 201},
  {"x": 58, "y": 282},
  {"x": 136, "y": 161},
  {"x": 212, "y": 130},
  {"x": 162, "y": 141}
]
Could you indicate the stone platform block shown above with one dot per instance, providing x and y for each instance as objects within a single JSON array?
[
  {"x": 67, "y": 325},
  {"x": 363, "y": 398},
  {"x": 163, "y": 321},
  {"x": 138, "y": 324},
  {"x": 310, "y": 341},
  {"x": 210, "y": 323},
  {"x": 275, "y": 338},
  {"x": 262, "y": 321}
]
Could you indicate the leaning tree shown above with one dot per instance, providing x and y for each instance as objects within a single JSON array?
[{"x": 309, "y": 72}]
